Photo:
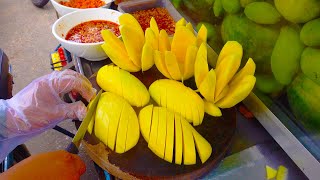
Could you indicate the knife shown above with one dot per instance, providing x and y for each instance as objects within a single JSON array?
[{"x": 73, "y": 147}]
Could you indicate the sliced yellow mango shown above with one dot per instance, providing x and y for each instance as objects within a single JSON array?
[
  {"x": 122, "y": 133},
  {"x": 203, "y": 147},
  {"x": 172, "y": 65},
  {"x": 271, "y": 173},
  {"x": 211, "y": 109},
  {"x": 178, "y": 139},
  {"x": 208, "y": 85},
  {"x": 119, "y": 57},
  {"x": 152, "y": 144},
  {"x": 147, "y": 56},
  {"x": 133, "y": 130},
  {"x": 162, "y": 131},
  {"x": 190, "y": 27},
  {"x": 128, "y": 19},
  {"x": 159, "y": 61},
  {"x": 164, "y": 42},
  {"x": 225, "y": 71},
  {"x": 282, "y": 173},
  {"x": 248, "y": 69},
  {"x": 181, "y": 23},
  {"x": 191, "y": 55},
  {"x": 145, "y": 118},
  {"x": 188, "y": 112},
  {"x": 195, "y": 115},
  {"x": 201, "y": 68},
  {"x": 163, "y": 96},
  {"x": 202, "y": 35},
  {"x": 212, "y": 56},
  {"x": 101, "y": 126},
  {"x": 151, "y": 38},
  {"x": 222, "y": 94},
  {"x": 237, "y": 92},
  {"x": 133, "y": 43},
  {"x": 231, "y": 47},
  {"x": 182, "y": 39},
  {"x": 189, "y": 151},
  {"x": 154, "y": 27},
  {"x": 168, "y": 155}
]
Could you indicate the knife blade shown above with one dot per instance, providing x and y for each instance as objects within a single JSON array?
[{"x": 73, "y": 147}]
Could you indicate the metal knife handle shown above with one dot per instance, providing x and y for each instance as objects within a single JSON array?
[{"x": 72, "y": 148}]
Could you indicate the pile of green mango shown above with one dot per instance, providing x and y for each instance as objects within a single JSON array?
[{"x": 281, "y": 36}]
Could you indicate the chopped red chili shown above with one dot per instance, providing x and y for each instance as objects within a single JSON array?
[
  {"x": 161, "y": 15},
  {"x": 90, "y": 31},
  {"x": 83, "y": 4}
]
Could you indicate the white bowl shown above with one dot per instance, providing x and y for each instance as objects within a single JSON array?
[
  {"x": 63, "y": 10},
  {"x": 90, "y": 51}
]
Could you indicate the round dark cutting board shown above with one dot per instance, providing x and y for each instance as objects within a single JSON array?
[{"x": 141, "y": 163}]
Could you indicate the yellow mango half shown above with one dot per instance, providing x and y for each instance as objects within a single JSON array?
[
  {"x": 225, "y": 71},
  {"x": 191, "y": 55},
  {"x": 133, "y": 130},
  {"x": 172, "y": 65},
  {"x": 182, "y": 39},
  {"x": 133, "y": 43},
  {"x": 222, "y": 94},
  {"x": 152, "y": 144},
  {"x": 168, "y": 155},
  {"x": 162, "y": 131},
  {"x": 211, "y": 109},
  {"x": 154, "y": 27},
  {"x": 151, "y": 38},
  {"x": 159, "y": 61},
  {"x": 208, "y": 85},
  {"x": 201, "y": 68},
  {"x": 248, "y": 69},
  {"x": 122, "y": 132},
  {"x": 189, "y": 151},
  {"x": 178, "y": 139},
  {"x": 145, "y": 117},
  {"x": 147, "y": 56},
  {"x": 202, "y": 35},
  {"x": 113, "y": 79},
  {"x": 231, "y": 47},
  {"x": 203, "y": 147},
  {"x": 128, "y": 19},
  {"x": 237, "y": 92},
  {"x": 164, "y": 42}
]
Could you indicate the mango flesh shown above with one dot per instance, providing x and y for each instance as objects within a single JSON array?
[
  {"x": 145, "y": 116},
  {"x": 164, "y": 42},
  {"x": 310, "y": 64},
  {"x": 262, "y": 13},
  {"x": 189, "y": 152},
  {"x": 309, "y": 33},
  {"x": 128, "y": 19},
  {"x": 168, "y": 155},
  {"x": 211, "y": 109},
  {"x": 172, "y": 65},
  {"x": 162, "y": 131},
  {"x": 208, "y": 86},
  {"x": 113, "y": 79},
  {"x": 202, "y": 35},
  {"x": 147, "y": 56},
  {"x": 201, "y": 68},
  {"x": 178, "y": 139},
  {"x": 248, "y": 69},
  {"x": 152, "y": 144},
  {"x": 116, "y": 123},
  {"x": 188, "y": 71},
  {"x": 159, "y": 61},
  {"x": 231, "y": 47},
  {"x": 203, "y": 147}
]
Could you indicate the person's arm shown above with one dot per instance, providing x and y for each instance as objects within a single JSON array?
[{"x": 39, "y": 107}]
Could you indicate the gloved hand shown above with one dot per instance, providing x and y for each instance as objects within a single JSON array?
[
  {"x": 53, "y": 165},
  {"x": 39, "y": 107}
]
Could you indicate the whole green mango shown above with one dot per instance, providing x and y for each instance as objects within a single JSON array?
[
  {"x": 310, "y": 64},
  {"x": 262, "y": 13},
  {"x": 298, "y": 11},
  {"x": 310, "y": 33},
  {"x": 304, "y": 100},
  {"x": 267, "y": 84},
  {"x": 231, "y": 6},
  {"x": 257, "y": 40}
]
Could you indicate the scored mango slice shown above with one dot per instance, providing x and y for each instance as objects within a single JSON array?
[
  {"x": 172, "y": 65},
  {"x": 202, "y": 35},
  {"x": 189, "y": 151},
  {"x": 162, "y": 132},
  {"x": 122, "y": 133},
  {"x": 128, "y": 19},
  {"x": 191, "y": 55},
  {"x": 168, "y": 155},
  {"x": 201, "y": 68},
  {"x": 202, "y": 145},
  {"x": 152, "y": 144},
  {"x": 231, "y": 47},
  {"x": 180, "y": 23},
  {"x": 145, "y": 117},
  {"x": 154, "y": 27},
  {"x": 208, "y": 85},
  {"x": 211, "y": 109},
  {"x": 178, "y": 139},
  {"x": 159, "y": 61},
  {"x": 151, "y": 38},
  {"x": 147, "y": 57},
  {"x": 222, "y": 94},
  {"x": 164, "y": 42},
  {"x": 190, "y": 27},
  {"x": 248, "y": 69}
]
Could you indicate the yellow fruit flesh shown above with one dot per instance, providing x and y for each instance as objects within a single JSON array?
[
  {"x": 208, "y": 85},
  {"x": 182, "y": 39},
  {"x": 201, "y": 68},
  {"x": 271, "y": 173},
  {"x": 211, "y": 109},
  {"x": 91, "y": 124},
  {"x": 191, "y": 55},
  {"x": 160, "y": 63},
  {"x": 154, "y": 27},
  {"x": 222, "y": 94},
  {"x": 122, "y": 133},
  {"x": 168, "y": 155},
  {"x": 133, "y": 132},
  {"x": 109, "y": 80},
  {"x": 128, "y": 19},
  {"x": 225, "y": 71},
  {"x": 133, "y": 43},
  {"x": 181, "y": 23},
  {"x": 151, "y": 38},
  {"x": 195, "y": 115},
  {"x": 101, "y": 126},
  {"x": 202, "y": 35},
  {"x": 231, "y": 47},
  {"x": 162, "y": 132},
  {"x": 164, "y": 42},
  {"x": 203, "y": 147},
  {"x": 178, "y": 139},
  {"x": 190, "y": 27},
  {"x": 189, "y": 152},
  {"x": 154, "y": 131},
  {"x": 172, "y": 65},
  {"x": 147, "y": 56},
  {"x": 238, "y": 92},
  {"x": 145, "y": 118},
  {"x": 248, "y": 69}
]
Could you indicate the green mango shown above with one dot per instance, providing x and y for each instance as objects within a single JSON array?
[
  {"x": 244, "y": 3},
  {"x": 257, "y": 40},
  {"x": 267, "y": 84},
  {"x": 217, "y": 8},
  {"x": 310, "y": 64},
  {"x": 309, "y": 34},
  {"x": 262, "y": 13},
  {"x": 304, "y": 100},
  {"x": 298, "y": 11},
  {"x": 231, "y": 6},
  {"x": 286, "y": 55}
]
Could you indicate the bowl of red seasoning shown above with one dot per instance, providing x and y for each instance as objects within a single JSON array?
[
  {"x": 66, "y": 6},
  {"x": 80, "y": 32}
]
